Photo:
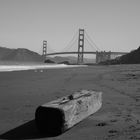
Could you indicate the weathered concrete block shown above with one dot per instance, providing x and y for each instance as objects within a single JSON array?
[{"x": 57, "y": 116}]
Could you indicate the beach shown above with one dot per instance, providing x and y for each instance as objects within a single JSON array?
[{"x": 21, "y": 92}]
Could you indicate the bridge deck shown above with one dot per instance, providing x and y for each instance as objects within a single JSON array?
[{"x": 59, "y": 53}]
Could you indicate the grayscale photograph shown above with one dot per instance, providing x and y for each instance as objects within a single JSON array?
[{"x": 69, "y": 69}]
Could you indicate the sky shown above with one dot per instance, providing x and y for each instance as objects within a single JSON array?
[{"x": 114, "y": 25}]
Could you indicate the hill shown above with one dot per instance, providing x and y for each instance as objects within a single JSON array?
[
  {"x": 19, "y": 55},
  {"x": 59, "y": 59},
  {"x": 4, "y": 52},
  {"x": 131, "y": 58},
  {"x": 70, "y": 59},
  {"x": 25, "y": 55}
]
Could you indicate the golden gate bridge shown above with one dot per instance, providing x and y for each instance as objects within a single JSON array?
[{"x": 81, "y": 40}]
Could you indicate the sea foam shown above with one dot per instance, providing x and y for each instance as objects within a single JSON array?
[{"x": 32, "y": 67}]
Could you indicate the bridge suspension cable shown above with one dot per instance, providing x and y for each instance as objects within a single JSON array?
[
  {"x": 90, "y": 44},
  {"x": 71, "y": 42},
  {"x": 74, "y": 41},
  {"x": 90, "y": 41},
  {"x": 49, "y": 49}
]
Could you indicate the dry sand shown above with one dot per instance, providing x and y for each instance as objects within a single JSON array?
[{"x": 118, "y": 119}]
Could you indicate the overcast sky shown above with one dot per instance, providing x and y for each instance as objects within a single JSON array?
[{"x": 112, "y": 24}]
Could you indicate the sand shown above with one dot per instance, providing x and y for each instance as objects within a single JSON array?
[{"x": 21, "y": 92}]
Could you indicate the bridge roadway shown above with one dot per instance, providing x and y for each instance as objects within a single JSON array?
[{"x": 112, "y": 53}]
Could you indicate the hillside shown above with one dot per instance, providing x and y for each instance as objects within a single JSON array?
[
  {"x": 4, "y": 52},
  {"x": 70, "y": 59},
  {"x": 59, "y": 59},
  {"x": 19, "y": 55},
  {"x": 131, "y": 58},
  {"x": 25, "y": 55}
]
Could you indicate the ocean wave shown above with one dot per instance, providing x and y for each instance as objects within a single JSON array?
[{"x": 32, "y": 67}]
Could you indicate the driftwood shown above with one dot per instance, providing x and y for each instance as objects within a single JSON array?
[{"x": 57, "y": 116}]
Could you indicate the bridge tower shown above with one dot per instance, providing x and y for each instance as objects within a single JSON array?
[
  {"x": 44, "y": 53},
  {"x": 81, "y": 47}
]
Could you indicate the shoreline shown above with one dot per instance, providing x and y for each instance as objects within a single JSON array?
[
  {"x": 21, "y": 92},
  {"x": 4, "y": 68}
]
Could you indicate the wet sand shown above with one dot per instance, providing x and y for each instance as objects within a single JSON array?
[{"x": 22, "y": 92}]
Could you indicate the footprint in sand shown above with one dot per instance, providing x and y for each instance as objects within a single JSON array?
[
  {"x": 113, "y": 131},
  {"x": 101, "y": 124}
]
